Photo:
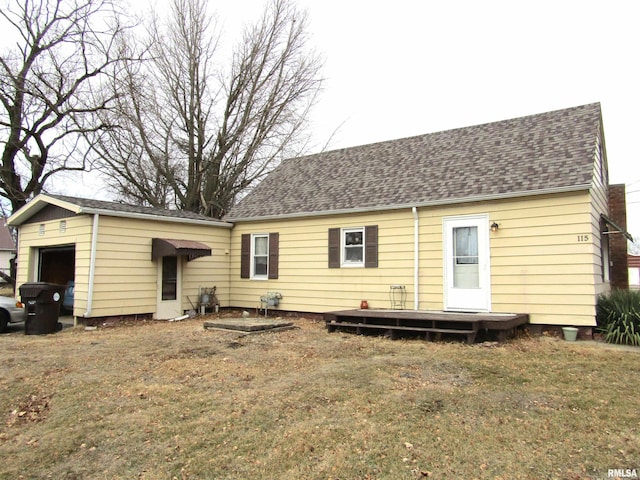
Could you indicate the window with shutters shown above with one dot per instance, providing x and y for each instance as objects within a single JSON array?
[
  {"x": 353, "y": 247},
  {"x": 259, "y": 256}
]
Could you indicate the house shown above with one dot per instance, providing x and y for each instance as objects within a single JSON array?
[
  {"x": 511, "y": 216},
  {"x": 125, "y": 260},
  {"x": 515, "y": 216},
  {"x": 7, "y": 249}
]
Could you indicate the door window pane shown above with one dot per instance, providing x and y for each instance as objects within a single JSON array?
[
  {"x": 169, "y": 278},
  {"x": 465, "y": 245},
  {"x": 465, "y": 258}
]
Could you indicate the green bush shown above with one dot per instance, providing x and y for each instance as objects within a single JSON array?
[{"x": 618, "y": 316}]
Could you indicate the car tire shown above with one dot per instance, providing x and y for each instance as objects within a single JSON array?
[{"x": 4, "y": 321}]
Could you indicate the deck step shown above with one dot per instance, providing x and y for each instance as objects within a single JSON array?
[{"x": 396, "y": 327}]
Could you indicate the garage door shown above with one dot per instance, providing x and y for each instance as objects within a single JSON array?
[{"x": 57, "y": 264}]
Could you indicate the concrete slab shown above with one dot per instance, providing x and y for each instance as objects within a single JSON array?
[{"x": 249, "y": 324}]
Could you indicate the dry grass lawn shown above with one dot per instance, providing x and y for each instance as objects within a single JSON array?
[{"x": 172, "y": 400}]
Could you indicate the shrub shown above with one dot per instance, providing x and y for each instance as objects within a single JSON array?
[{"x": 618, "y": 316}]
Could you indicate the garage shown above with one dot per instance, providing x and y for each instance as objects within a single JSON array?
[
  {"x": 114, "y": 254},
  {"x": 57, "y": 264}
]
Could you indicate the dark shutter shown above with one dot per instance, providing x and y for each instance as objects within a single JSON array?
[
  {"x": 371, "y": 246},
  {"x": 274, "y": 244},
  {"x": 334, "y": 248},
  {"x": 245, "y": 256}
]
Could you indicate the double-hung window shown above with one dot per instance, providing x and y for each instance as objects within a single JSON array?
[
  {"x": 259, "y": 254},
  {"x": 353, "y": 247}
]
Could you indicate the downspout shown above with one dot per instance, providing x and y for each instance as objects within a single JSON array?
[
  {"x": 416, "y": 259},
  {"x": 92, "y": 265}
]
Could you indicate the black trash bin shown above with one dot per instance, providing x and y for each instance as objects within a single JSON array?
[{"x": 42, "y": 301}]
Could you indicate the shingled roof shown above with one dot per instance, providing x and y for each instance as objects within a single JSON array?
[
  {"x": 90, "y": 207},
  {"x": 543, "y": 153},
  {"x": 95, "y": 206}
]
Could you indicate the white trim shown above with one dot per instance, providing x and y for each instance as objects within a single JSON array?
[
  {"x": 478, "y": 299},
  {"x": 253, "y": 275},
  {"x": 92, "y": 265},
  {"x": 416, "y": 258},
  {"x": 349, "y": 264}
]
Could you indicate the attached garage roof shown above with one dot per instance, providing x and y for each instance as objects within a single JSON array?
[
  {"x": 167, "y": 247},
  {"x": 87, "y": 206}
]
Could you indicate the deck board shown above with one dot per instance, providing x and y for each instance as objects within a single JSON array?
[{"x": 427, "y": 322}]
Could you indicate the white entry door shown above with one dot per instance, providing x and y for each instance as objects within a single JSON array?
[
  {"x": 169, "y": 288},
  {"x": 467, "y": 279}
]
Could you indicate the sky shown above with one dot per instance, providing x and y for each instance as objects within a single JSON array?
[{"x": 410, "y": 67}]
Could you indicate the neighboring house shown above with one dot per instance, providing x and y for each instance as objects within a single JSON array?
[
  {"x": 125, "y": 260},
  {"x": 7, "y": 249},
  {"x": 511, "y": 216},
  {"x": 634, "y": 271},
  {"x": 508, "y": 217}
]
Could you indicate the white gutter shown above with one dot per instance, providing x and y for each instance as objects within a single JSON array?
[
  {"x": 92, "y": 265},
  {"x": 416, "y": 259}
]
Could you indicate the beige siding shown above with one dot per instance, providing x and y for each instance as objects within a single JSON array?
[
  {"x": 543, "y": 260},
  {"x": 77, "y": 233},
  {"x": 127, "y": 284},
  {"x": 125, "y": 275}
]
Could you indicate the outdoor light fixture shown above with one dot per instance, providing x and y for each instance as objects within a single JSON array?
[{"x": 495, "y": 227}]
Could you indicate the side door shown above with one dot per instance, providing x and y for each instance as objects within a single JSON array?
[
  {"x": 169, "y": 287},
  {"x": 467, "y": 276}
]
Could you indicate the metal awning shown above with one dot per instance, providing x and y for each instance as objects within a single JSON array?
[
  {"x": 615, "y": 226},
  {"x": 167, "y": 247}
]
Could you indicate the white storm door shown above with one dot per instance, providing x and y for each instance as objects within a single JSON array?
[
  {"x": 467, "y": 279},
  {"x": 169, "y": 288}
]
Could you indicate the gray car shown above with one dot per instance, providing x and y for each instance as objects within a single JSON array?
[{"x": 11, "y": 311}]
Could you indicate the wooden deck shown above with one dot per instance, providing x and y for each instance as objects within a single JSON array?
[{"x": 432, "y": 324}]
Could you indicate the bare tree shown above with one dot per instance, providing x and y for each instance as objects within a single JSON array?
[
  {"x": 50, "y": 90},
  {"x": 195, "y": 136}
]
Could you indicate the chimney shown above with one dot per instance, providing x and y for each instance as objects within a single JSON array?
[{"x": 617, "y": 242}]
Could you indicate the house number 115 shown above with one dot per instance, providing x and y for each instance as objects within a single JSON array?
[{"x": 583, "y": 238}]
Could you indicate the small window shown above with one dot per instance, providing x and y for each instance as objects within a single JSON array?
[
  {"x": 353, "y": 247},
  {"x": 41, "y": 230},
  {"x": 260, "y": 255},
  {"x": 63, "y": 226}
]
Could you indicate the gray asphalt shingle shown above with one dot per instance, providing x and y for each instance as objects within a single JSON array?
[
  {"x": 543, "y": 152},
  {"x": 116, "y": 207}
]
